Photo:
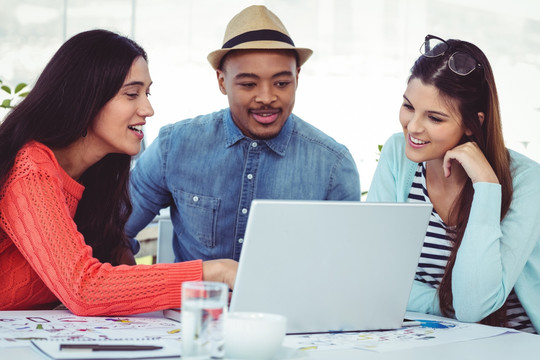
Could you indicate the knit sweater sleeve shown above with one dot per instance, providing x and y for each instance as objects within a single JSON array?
[
  {"x": 495, "y": 256},
  {"x": 394, "y": 173},
  {"x": 36, "y": 218}
]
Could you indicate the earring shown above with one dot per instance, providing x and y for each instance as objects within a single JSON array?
[{"x": 85, "y": 132}]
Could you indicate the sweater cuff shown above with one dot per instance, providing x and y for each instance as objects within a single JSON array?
[
  {"x": 185, "y": 271},
  {"x": 486, "y": 205}
]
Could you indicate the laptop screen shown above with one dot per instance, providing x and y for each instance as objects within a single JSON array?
[{"x": 330, "y": 265}]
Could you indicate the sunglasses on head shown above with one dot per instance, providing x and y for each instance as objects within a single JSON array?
[{"x": 459, "y": 62}]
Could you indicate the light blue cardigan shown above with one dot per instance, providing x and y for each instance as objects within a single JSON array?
[{"x": 494, "y": 256}]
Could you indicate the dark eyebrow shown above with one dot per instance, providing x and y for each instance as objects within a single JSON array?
[
  {"x": 429, "y": 111},
  {"x": 135, "y": 83},
  {"x": 255, "y": 76},
  {"x": 246, "y": 76},
  {"x": 283, "y": 73}
]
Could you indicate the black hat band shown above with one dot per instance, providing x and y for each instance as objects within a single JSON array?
[{"x": 258, "y": 35}]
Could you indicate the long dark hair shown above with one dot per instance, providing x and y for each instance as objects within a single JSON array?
[
  {"x": 473, "y": 93},
  {"x": 82, "y": 76}
]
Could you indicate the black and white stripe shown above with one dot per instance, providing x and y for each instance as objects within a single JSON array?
[
  {"x": 437, "y": 245},
  {"x": 436, "y": 251},
  {"x": 516, "y": 316}
]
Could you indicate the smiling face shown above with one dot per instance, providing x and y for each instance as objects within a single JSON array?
[
  {"x": 431, "y": 124},
  {"x": 118, "y": 126},
  {"x": 261, "y": 87}
]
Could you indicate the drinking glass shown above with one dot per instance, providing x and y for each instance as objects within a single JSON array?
[{"x": 204, "y": 304}]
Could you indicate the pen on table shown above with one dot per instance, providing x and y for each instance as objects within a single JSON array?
[{"x": 97, "y": 347}]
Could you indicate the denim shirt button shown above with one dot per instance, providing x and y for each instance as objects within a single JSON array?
[
  {"x": 254, "y": 144},
  {"x": 244, "y": 211},
  {"x": 240, "y": 241},
  {"x": 250, "y": 176},
  {"x": 195, "y": 198}
]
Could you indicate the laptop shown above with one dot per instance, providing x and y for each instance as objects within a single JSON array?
[{"x": 330, "y": 266}]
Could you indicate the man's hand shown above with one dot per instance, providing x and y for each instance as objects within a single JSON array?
[{"x": 220, "y": 270}]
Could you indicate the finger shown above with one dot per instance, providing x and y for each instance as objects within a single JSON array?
[{"x": 447, "y": 165}]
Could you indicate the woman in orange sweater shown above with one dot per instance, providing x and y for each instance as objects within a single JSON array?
[{"x": 64, "y": 171}]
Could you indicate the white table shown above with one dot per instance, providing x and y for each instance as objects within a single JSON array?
[{"x": 502, "y": 347}]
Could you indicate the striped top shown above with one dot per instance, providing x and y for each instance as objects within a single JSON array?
[{"x": 436, "y": 250}]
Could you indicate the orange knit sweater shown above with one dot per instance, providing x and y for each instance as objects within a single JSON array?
[{"x": 43, "y": 258}]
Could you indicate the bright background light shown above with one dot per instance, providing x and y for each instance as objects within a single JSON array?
[{"x": 352, "y": 86}]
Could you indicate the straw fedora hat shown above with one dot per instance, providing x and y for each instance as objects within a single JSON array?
[{"x": 256, "y": 27}]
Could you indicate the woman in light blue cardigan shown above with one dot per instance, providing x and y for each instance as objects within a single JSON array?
[{"x": 486, "y": 197}]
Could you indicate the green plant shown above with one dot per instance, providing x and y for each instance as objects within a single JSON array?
[
  {"x": 14, "y": 94},
  {"x": 380, "y": 149}
]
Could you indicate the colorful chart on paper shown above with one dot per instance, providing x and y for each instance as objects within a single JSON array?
[
  {"x": 19, "y": 327},
  {"x": 427, "y": 333}
]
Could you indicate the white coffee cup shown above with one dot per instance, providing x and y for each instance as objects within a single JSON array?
[{"x": 252, "y": 335}]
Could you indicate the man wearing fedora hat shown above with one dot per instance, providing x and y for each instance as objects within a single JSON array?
[{"x": 208, "y": 169}]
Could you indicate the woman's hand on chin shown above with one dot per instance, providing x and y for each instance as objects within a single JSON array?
[{"x": 472, "y": 160}]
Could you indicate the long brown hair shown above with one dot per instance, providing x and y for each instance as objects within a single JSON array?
[
  {"x": 82, "y": 76},
  {"x": 473, "y": 93}
]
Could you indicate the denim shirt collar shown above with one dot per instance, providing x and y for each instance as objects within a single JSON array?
[{"x": 277, "y": 144}]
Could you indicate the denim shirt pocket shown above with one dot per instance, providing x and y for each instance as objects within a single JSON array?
[{"x": 199, "y": 215}]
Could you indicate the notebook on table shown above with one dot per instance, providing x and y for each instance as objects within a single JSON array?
[{"x": 328, "y": 265}]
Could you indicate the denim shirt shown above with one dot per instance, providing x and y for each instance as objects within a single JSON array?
[{"x": 208, "y": 172}]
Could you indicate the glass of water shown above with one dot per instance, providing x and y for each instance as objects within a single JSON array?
[{"x": 204, "y": 304}]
